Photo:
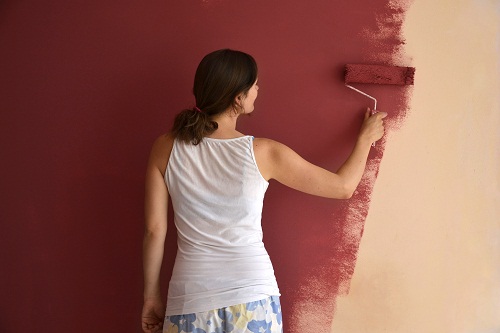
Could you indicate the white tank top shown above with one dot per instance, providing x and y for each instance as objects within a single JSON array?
[{"x": 217, "y": 194}]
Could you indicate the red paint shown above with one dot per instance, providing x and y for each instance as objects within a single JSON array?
[
  {"x": 379, "y": 74},
  {"x": 87, "y": 86}
]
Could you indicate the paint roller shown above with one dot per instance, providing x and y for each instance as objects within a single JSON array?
[{"x": 377, "y": 74}]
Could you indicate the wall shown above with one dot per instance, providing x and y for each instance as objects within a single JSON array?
[{"x": 87, "y": 85}]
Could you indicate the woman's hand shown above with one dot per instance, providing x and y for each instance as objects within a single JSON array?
[
  {"x": 373, "y": 126},
  {"x": 153, "y": 314}
]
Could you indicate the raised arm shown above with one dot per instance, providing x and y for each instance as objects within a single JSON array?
[
  {"x": 277, "y": 161},
  {"x": 155, "y": 207}
]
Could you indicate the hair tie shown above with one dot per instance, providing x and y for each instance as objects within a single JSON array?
[{"x": 197, "y": 109}]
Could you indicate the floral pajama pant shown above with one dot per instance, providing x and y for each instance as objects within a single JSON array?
[{"x": 262, "y": 316}]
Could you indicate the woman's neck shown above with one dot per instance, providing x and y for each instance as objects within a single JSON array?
[{"x": 226, "y": 126}]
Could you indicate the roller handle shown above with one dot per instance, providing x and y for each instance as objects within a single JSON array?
[
  {"x": 373, "y": 112},
  {"x": 369, "y": 96}
]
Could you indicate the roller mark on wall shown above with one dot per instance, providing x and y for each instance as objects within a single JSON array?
[{"x": 387, "y": 42}]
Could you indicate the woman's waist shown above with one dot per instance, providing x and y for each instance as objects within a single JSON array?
[
  {"x": 193, "y": 279},
  {"x": 217, "y": 264},
  {"x": 208, "y": 249}
]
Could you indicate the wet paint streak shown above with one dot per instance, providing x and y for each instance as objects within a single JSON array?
[{"x": 319, "y": 291}]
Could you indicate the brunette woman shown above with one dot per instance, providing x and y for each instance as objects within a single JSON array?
[{"x": 216, "y": 177}]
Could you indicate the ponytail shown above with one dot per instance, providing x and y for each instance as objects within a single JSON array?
[{"x": 192, "y": 125}]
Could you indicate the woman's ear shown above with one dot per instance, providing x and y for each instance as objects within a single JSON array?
[
  {"x": 238, "y": 104},
  {"x": 239, "y": 100}
]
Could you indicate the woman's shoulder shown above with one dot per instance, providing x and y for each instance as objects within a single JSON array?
[
  {"x": 164, "y": 142},
  {"x": 264, "y": 142},
  {"x": 160, "y": 152},
  {"x": 266, "y": 146},
  {"x": 267, "y": 152},
  {"x": 164, "y": 139}
]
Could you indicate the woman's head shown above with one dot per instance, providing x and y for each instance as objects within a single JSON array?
[{"x": 221, "y": 77}]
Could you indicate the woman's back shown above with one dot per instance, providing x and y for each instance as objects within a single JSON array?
[{"x": 217, "y": 194}]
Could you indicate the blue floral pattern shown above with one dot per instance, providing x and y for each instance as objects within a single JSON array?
[
  {"x": 262, "y": 316},
  {"x": 184, "y": 322},
  {"x": 259, "y": 326},
  {"x": 276, "y": 306}
]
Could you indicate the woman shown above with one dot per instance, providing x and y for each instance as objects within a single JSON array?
[{"x": 216, "y": 177}]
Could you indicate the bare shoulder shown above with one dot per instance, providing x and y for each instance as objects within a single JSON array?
[
  {"x": 267, "y": 153},
  {"x": 267, "y": 146},
  {"x": 160, "y": 152},
  {"x": 270, "y": 149},
  {"x": 264, "y": 149},
  {"x": 261, "y": 144},
  {"x": 164, "y": 141}
]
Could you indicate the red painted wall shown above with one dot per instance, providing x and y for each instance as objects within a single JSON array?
[{"x": 85, "y": 88}]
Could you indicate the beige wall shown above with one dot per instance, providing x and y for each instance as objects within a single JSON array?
[{"x": 429, "y": 260}]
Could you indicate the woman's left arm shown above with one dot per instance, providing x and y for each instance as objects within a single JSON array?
[{"x": 155, "y": 208}]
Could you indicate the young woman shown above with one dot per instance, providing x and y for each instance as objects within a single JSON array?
[{"x": 216, "y": 177}]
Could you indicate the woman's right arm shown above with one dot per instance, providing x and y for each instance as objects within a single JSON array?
[
  {"x": 155, "y": 208},
  {"x": 277, "y": 161}
]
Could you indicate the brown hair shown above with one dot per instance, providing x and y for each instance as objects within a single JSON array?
[{"x": 220, "y": 77}]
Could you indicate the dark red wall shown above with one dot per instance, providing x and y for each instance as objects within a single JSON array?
[{"x": 85, "y": 87}]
